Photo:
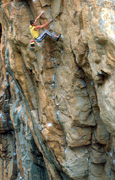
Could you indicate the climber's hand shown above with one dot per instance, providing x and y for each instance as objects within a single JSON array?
[
  {"x": 42, "y": 12},
  {"x": 51, "y": 20}
]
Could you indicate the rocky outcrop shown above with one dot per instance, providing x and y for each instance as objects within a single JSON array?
[{"x": 57, "y": 100}]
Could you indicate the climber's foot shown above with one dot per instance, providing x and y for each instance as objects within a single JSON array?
[{"x": 58, "y": 36}]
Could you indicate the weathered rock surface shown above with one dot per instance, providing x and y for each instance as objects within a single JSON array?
[{"x": 57, "y": 118}]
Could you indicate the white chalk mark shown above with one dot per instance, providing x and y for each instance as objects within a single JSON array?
[
  {"x": 57, "y": 112},
  {"x": 50, "y": 124},
  {"x": 92, "y": 83},
  {"x": 65, "y": 150},
  {"x": 110, "y": 154}
]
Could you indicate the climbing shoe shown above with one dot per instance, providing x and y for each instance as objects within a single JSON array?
[{"x": 57, "y": 38}]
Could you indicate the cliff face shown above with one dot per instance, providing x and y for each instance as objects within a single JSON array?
[{"x": 57, "y": 101}]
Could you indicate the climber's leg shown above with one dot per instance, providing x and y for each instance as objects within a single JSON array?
[{"x": 45, "y": 33}]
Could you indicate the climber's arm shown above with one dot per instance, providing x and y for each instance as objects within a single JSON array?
[
  {"x": 44, "y": 25},
  {"x": 39, "y": 16}
]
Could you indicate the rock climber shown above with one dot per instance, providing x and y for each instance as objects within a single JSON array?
[{"x": 34, "y": 29}]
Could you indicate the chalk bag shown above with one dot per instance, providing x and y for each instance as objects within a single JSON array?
[{"x": 32, "y": 43}]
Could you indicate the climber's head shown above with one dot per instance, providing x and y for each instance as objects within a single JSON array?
[{"x": 32, "y": 22}]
